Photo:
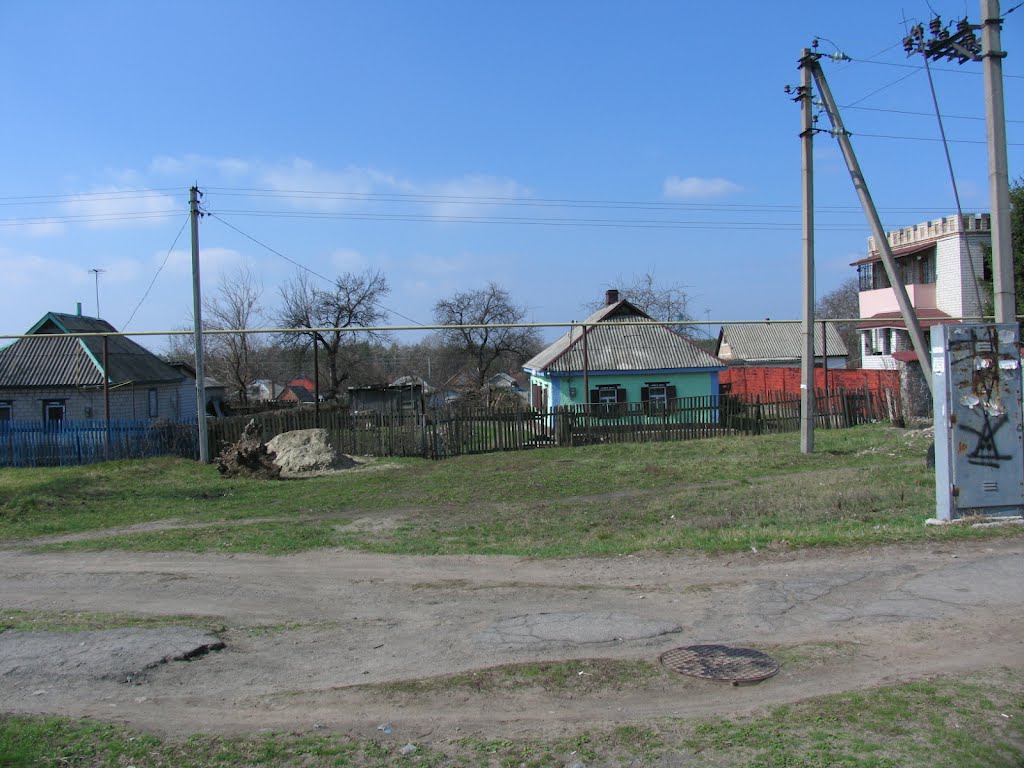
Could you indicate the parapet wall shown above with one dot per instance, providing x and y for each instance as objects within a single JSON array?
[{"x": 933, "y": 230}]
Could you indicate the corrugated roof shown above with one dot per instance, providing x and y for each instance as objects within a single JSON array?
[
  {"x": 613, "y": 345},
  {"x": 52, "y": 358},
  {"x": 765, "y": 342}
]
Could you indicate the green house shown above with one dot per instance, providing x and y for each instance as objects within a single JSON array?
[{"x": 620, "y": 361}]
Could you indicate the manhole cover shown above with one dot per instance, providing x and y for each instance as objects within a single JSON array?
[{"x": 721, "y": 662}]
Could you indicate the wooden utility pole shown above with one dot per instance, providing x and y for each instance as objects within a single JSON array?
[{"x": 197, "y": 312}]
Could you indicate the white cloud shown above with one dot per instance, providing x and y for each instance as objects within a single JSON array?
[
  {"x": 164, "y": 165},
  {"x": 232, "y": 166},
  {"x": 29, "y": 272},
  {"x": 322, "y": 190},
  {"x": 43, "y": 227},
  {"x": 212, "y": 261},
  {"x": 473, "y": 195},
  {"x": 196, "y": 165},
  {"x": 348, "y": 260},
  {"x": 437, "y": 265},
  {"x": 110, "y": 207},
  {"x": 697, "y": 188}
]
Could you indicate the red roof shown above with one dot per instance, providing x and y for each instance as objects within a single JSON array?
[
  {"x": 926, "y": 316},
  {"x": 905, "y": 250}
]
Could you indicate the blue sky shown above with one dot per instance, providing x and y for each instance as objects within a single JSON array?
[{"x": 433, "y": 111}]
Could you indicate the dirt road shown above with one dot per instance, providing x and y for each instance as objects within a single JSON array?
[{"x": 335, "y": 623}]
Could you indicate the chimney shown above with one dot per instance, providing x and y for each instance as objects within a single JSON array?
[
  {"x": 78, "y": 307},
  {"x": 611, "y": 296}
]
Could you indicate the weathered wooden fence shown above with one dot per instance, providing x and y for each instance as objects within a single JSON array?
[
  {"x": 447, "y": 432},
  {"x": 69, "y": 443},
  {"x": 460, "y": 431}
]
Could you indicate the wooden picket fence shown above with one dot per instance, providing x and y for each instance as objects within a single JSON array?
[{"x": 71, "y": 443}]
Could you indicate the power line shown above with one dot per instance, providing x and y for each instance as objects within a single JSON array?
[
  {"x": 110, "y": 194},
  {"x": 159, "y": 270},
  {"x": 884, "y": 87},
  {"x": 929, "y": 138},
  {"x": 940, "y": 69},
  {"x": 507, "y": 200},
  {"x": 921, "y": 114},
  {"x": 86, "y": 218},
  {"x": 552, "y": 222},
  {"x": 297, "y": 264}
]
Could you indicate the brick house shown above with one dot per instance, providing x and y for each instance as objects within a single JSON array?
[{"x": 942, "y": 265}]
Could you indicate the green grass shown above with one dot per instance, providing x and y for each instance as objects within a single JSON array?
[
  {"x": 553, "y": 677},
  {"x": 863, "y": 486},
  {"x": 82, "y": 621},
  {"x": 944, "y": 723}
]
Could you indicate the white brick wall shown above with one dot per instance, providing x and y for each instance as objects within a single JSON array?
[{"x": 958, "y": 259}]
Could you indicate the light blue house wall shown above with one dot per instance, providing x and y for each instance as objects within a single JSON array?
[{"x": 568, "y": 389}]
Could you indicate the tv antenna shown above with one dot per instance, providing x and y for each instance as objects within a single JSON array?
[{"x": 96, "y": 273}]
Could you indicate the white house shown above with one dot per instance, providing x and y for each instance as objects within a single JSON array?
[{"x": 941, "y": 263}]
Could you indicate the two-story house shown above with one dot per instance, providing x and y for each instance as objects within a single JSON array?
[{"x": 941, "y": 263}]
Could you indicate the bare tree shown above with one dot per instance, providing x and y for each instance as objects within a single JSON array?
[
  {"x": 843, "y": 303},
  {"x": 487, "y": 348},
  {"x": 350, "y": 302},
  {"x": 661, "y": 301},
  {"x": 234, "y": 358}
]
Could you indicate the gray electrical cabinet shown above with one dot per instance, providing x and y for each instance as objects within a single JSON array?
[{"x": 979, "y": 438}]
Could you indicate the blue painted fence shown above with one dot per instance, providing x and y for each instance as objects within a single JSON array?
[{"x": 70, "y": 443}]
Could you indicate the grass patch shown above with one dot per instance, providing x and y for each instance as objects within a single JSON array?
[
  {"x": 85, "y": 621},
  {"x": 552, "y": 677},
  {"x": 866, "y": 485},
  {"x": 945, "y": 723}
]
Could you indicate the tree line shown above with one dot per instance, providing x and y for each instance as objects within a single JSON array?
[{"x": 348, "y": 358}]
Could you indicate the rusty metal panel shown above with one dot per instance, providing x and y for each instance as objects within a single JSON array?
[{"x": 979, "y": 437}]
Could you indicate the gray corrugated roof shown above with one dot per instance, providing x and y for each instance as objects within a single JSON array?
[
  {"x": 51, "y": 358},
  {"x": 764, "y": 342},
  {"x": 612, "y": 345}
]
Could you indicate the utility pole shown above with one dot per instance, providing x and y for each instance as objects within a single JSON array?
[
  {"x": 860, "y": 185},
  {"x": 96, "y": 273},
  {"x": 197, "y": 312},
  {"x": 963, "y": 46},
  {"x": 998, "y": 176},
  {"x": 807, "y": 177}
]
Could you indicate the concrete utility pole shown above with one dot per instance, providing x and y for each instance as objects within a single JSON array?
[
  {"x": 807, "y": 177},
  {"x": 962, "y": 45},
  {"x": 859, "y": 184},
  {"x": 197, "y": 311},
  {"x": 998, "y": 176}
]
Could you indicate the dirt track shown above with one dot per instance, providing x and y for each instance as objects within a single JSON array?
[{"x": 337, "y": 621}]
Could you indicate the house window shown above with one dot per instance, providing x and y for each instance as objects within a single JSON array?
[
  {"x": 872, "y": 276},
  {"x": 918, "y": 268},
  {"x": 53, "y": 411},
  {"x": 6, "y": 410},
  {"x": 657, "y": 396},
  {"x": 608, "y": 400},
  {"x": 153, "y": 404}
]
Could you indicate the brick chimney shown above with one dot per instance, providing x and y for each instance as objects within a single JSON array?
[{"x": 611, "y": 296}]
